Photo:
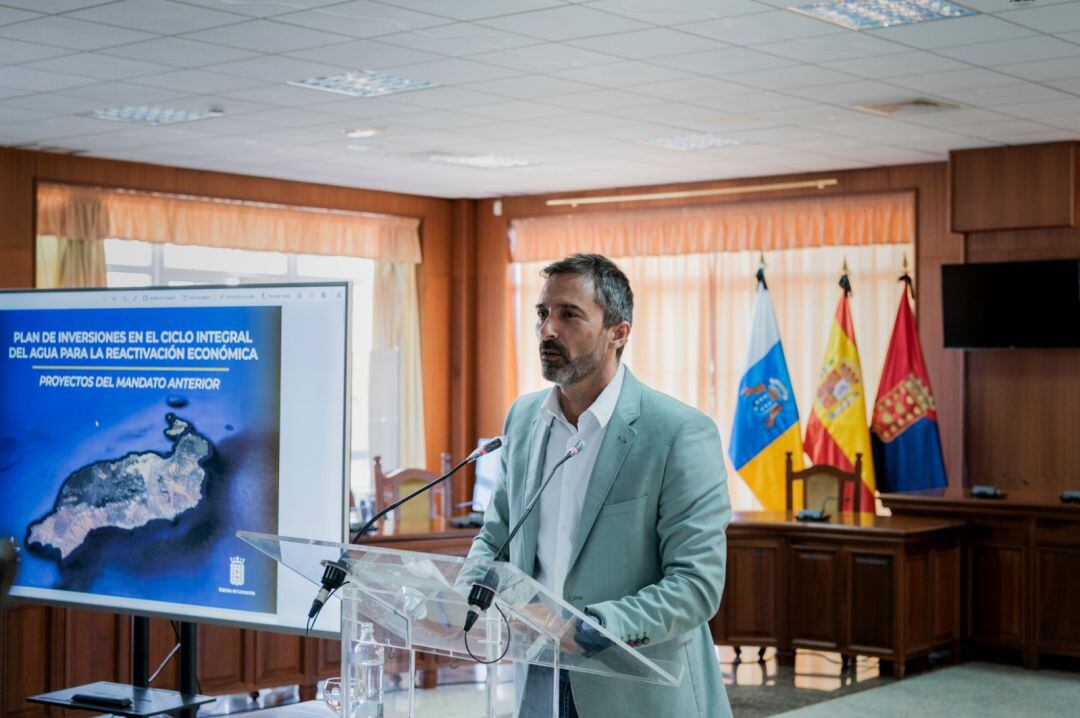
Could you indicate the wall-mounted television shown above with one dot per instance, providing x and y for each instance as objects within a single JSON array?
[
  {"x": 141, "y": 428},
  {"x": 1011, "y": 305}
]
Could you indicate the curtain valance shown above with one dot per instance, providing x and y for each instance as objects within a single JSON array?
[
  {"x": 96, "y": 213},
  {"x": 879, "y": 218}
]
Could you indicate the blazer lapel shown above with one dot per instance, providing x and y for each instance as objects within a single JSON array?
[
  {"x": 538, "y": 439},
  {"x": 618, "y": 438}
]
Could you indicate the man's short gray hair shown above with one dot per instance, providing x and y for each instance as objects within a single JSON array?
[{"x": 611, "y": 288}]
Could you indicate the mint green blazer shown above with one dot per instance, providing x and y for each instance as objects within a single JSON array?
[{"x": 650, "y": 552}]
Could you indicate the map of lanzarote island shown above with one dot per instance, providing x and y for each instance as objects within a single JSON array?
[{"x": 126, "y": 493}]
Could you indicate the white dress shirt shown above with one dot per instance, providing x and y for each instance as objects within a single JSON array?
[{"x": 560, "y": 504}]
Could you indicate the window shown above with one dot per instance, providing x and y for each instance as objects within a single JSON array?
[{"x": 131, "y": 263}]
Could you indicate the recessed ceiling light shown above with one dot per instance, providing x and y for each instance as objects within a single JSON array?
[
  {"x": 488, "y": 162},
  {"x": 700, "y": 141},
  {"x": 363, "y": 83},
  {"x": 872, "y": 14},
  {"x": 361, "y": 132},
  {"x": 152, "y": 115}
]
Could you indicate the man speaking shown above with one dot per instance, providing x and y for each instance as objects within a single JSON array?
[{"x": 631, "y": 530}]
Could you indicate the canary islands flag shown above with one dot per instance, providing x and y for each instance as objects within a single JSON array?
[
  {"x": 836, "y": 429},
  {"x": 766, "y": 418},
  {"x": 907, "y": 448}
]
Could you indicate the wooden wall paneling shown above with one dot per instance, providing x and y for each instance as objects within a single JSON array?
[
  {"x": 1057, "y": 577},
  {"x": 996, "y": 595},
  {"x": 919, "y": 590},
  {"x": 29, "y": 662},
  {"x": 815, "y": 570},
  {"x": 162, "y": 640},
  {"x": 225, "y": 659},
  {"x": 870, "y": 608},
  {"x": 1022, "y": 403},
  {"x": 944, "y": 586},
  {"x": 95, "y": 646},
  {"x": 752, "y": 614},
  {"x": 281, "y": 659},
  {"x": 328, "y": 658},
  {"x": 16, "y": 219},
  {"x": 463, "y": 432},
  {"x": 493, "y": 341},
  {"x": 1015, "y": 187}
]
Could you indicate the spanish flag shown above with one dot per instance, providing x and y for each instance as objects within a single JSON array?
[
  {"x": 837, "y": 428},
  {"x": 766, "y": 418}
]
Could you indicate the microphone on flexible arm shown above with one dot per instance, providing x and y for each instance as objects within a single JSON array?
[
  {"x": 334, "y": 572},
  {"x": 483, "y": 591}
]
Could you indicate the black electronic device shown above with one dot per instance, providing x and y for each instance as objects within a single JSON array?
[
  {"x": 124, "y": 700},
  {"x": 987, "y": 492},
  {"x": 811, "y": 515},
  {"x": 1070, "y": 496},
  {"x": 471, "y": 520},
  {"x": 103, "y": 700},
  {"x": 1011, "y": 305}
]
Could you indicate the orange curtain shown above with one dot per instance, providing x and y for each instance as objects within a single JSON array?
[
  {"x": 89, "y": 213},
  {"x": 859, "y": 220}
]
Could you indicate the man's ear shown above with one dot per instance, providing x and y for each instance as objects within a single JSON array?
[{"x": 620, "y": 334}]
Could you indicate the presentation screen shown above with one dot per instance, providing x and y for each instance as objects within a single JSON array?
[{"x": 141, "y": 428}]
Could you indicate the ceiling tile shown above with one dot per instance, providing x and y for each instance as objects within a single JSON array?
[
  {"x": 724, "y": 62},
  {"x": 530, "y": 86},
  {"x": 158, "y": 16},
  {"x": 9, "y": 114},
  {"x": 953, "y": 80},
  {"x": 564, "y": 23},
  {"x": 762, "y": 27},
  {"x": 367, "y": 109},
  {"x": 9, "y": 15},
  {"x": 54, "y": 6},
  {"x": 902, "y": 63},
  {"x": 178, "y": 52},
  {"x": 644, "y": 44},
  {"x": 546, "y": 57},
  {"x": 30, "y": 80},
  {"x": 201, "y": 81},
  {"x": 990, "y": 54},
  {"x": 266, "y": 36},
  {"x": 783, "y": 78},
  {"x": 691, "y": 88},
  {"x": 13, "y": 52},
  {"x": 364, "y": 54},
  {"x": 97, "y": 65},
  {"x": 124, "y": 93},
  {"x": 958, "y": 118},
  {"x": 277, "y": 94},
  {"x": 1005, "y": 94},
  {"x": 73, "y": 34},
  {"x": 1052, "y": 19},
  {"x": 453, "y": 71},
  {"x": 953, "y": 32},
  {"x": 756, "y": 101},
  {"x": 1070, "y": 85},
  {"x": 363, "y": 19},
  {"x": 1059, "y": 69},
  {"x": 264, "y": 8},
  {"x": 58, "y": 127},
  {"x": 600, "y": 100},
  {"x": 623, "y": 74},
  {"x": 292, "y": 117},
  {"x": 275, "y": 68},
  {"x": 448, "y": 98},
  {"x": 472, "y": 9},
  {"x": 517, "y": 110},
  {"x": 459, "y": 39},
  {"x": 665, "y": 12},
  {"x": 57, "y": 104},
  {"x": 832, "y": 48}
]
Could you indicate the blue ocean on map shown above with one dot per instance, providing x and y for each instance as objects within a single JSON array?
[{"x": 108, "y": 452}]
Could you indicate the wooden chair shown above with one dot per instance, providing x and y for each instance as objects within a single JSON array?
[
  {"x": 823, "y": 482},
  {"x": 402, "y": 482}
]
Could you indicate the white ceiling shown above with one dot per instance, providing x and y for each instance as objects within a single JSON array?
[{"x": 572, "y": 87}]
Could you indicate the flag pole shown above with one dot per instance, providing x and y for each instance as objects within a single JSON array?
[
  {"x": 845, "y": 283},
  {"x": 761, "y": 272},
  {"x": 906, "y": 278}
]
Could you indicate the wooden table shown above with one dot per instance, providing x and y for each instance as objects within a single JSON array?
[
  {"x": 1021, "y": 561},
  {"x": 856, "y": 584}
]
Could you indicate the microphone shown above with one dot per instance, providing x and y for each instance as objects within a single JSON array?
[
  {"x": 334, "y": 572},
  {"x": 483, "y": 591}
]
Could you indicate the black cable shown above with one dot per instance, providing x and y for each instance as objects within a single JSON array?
[
  {"x": 311, "y": 620},
  {"x": 505, "y": 650}
]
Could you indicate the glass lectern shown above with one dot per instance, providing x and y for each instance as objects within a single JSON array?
[{"x": 395, "y": 603}]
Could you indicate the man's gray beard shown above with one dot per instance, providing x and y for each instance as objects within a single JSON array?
[{"x": 571, "y": 371}]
